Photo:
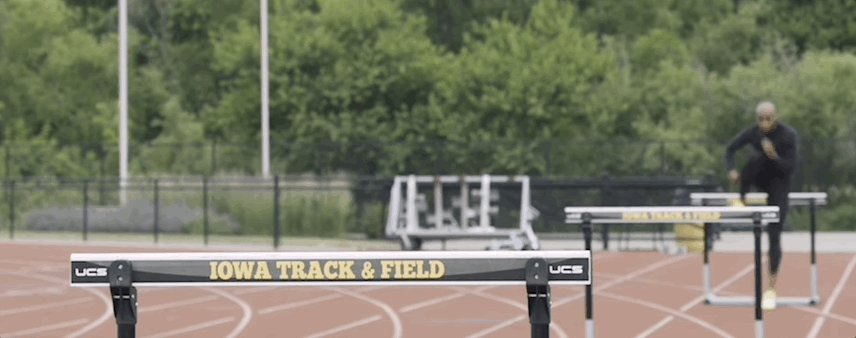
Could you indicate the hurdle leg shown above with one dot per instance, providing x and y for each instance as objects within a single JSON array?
[
  {"x": 124, "y": 296},
  {"x": 759, "y": 315},
  {"x": 708, "y": 294},
  {"x": 815, "y": 294},
  {"x": 589, "y": 311},
  {"x": 538, "y": 296},
  {"x": 605, "y": 236}
]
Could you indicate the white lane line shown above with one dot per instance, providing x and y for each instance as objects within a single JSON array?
[
  {"x": 405, "y": 309},
  {"x": 245, "y": 308},
  {"x": 253, "y": 290},
  {"x": 108, "y": 305},
  {"x": 107, "y": 314},
  {"x": 51, "y": 291},
  {"x": 29, "y": 262},
  {"x": 47, "y": 306},
  {"x": 665, "y": 309},
  {"x": 180, "y": 303},
  {"x": 438, "y": 300},
  {"x": 397, "y": 330},
  {"x": 555, "y": 327},
  {"x": 45, "y": 328},
  {"x": 292, "y": 305},
  {"x": 345, "y": 327},
  {"x": 848, "y": 320},
  {"x": 624, "y": 278},
  {"x": 816, "y": 312},
  {"x": 310, "y": 301},
  {"x": 698, "y": 300},
  {"x": 195, "y": 327},
  {"x": 818, "y": 323}
]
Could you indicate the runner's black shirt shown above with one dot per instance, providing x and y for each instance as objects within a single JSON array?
[{"x": 785, "y": 140}]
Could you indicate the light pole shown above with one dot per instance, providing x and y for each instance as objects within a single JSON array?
[
  {"x": 265, "y": 134},
  {"x": 123, "y": 100}
]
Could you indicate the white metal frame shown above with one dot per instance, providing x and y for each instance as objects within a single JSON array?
[
  {"x": 403, "y": 219},
  {"x": 797, "y": 199},
  {"x": 682, "y": 214}
]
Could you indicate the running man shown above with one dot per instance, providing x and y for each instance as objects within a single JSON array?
[{"x": 769, "y": 170}]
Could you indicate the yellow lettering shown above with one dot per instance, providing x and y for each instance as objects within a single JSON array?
[
  {"x": 315, "y": 271},
  {"x": 438, "y": 269},
  {"x": 635, "y": 216},
  {"x": 671, "y": 216},
  {"x": 298, "y": 271},
  {"x": 421, "y": 273},
  {"x": 412, "y": 269},
  {"x": 386, "y": 269},
  {"x": 224, "y": 270},
  {"x": 262, "y": 271},
  {"x": 213, "y": 275},
  {"x": 243, "y": 270},
  {"x": 346, "y": 270},
  {"x": 408, "y": 269},
  {"x": 329, "y": 266},
  {"x": 283, "y": 269}
]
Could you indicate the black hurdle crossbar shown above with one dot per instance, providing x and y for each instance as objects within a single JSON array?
[{"x": 124, "y": 296}]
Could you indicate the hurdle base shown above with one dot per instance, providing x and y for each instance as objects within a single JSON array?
[{"x": 749, "y": 301}]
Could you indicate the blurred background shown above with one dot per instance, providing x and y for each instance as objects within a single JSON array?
[{"x": 606, "y": 102}]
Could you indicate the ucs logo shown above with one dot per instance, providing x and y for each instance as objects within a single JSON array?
[
  {"x": 566, "y": 269},
  {"x": 90, "y": 272}
]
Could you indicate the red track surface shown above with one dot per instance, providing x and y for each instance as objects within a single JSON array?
[{"x": 636, "y": 295}]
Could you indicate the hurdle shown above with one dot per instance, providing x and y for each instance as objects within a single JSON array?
[
  {"x": 537, "y": 270},
  {"x": 758, "y": 216},
  {"x": 463, "y": 208},
  {"x": 810, "y": 199}
]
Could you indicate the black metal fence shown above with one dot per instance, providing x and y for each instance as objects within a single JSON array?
[
  {"x": 221, "y": 196},
  {"x": 201, "y": 207},
  {"x": 823, "y": 163},
  {"x": 257, "y": 210},
  {"x": 206, "y": 207}
]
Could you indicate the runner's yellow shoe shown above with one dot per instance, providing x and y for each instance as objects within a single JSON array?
[{"x": 768, "y": 301}]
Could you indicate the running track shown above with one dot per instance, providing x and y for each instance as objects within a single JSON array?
[{"x": 636, "y": 295}]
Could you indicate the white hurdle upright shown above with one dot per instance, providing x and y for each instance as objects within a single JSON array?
[
  {"x": 758, "y": 216},
  {"x": 810, "y": 199}
]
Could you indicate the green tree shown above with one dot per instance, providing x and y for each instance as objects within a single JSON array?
[
  {"x": 450, "y": 20},
  {"x": 733, "y": 40},
  {"x": 53, "y": 78},
  {"x": 817, "y": 24},
  {"x": 342, "y": 78},
  {"x": 626, "y": 18},
  {"x": 515, "y": 87}
]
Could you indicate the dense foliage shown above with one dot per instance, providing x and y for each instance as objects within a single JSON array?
[{"x": 381, "y": 87}]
